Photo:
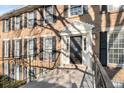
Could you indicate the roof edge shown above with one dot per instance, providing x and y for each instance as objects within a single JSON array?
[{"x": 18, "y": 11}]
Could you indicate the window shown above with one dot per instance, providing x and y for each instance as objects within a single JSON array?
[
  {"x": 7, "y": 25},
  {"x": 116, "y": 48},
  {"x": 18, "y": 21},
  {"x": 76, "y": 10},
  {"x": 6, "y": 48},
  {"x": 48, "y": 48},
  {"x": 25, "y": 72},
  {"x": 103, "y": 8},
  {"x": 25, "y": 21},
  {"x": 3, "y": 25},
  {"x": 17, "y": 48},
  {"x": 13, "y": 70},
  {"x": 6, "y": 69},
  {"x": 48, "y": 14},
  {"x": 30, "y": 19},
  {"x": 13, "y": 23},
  {"x": 30, "y": 47},
  {"x": 112, "y": 8}
]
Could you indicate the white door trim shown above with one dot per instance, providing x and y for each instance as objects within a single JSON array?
[{"x": 76, "y": 29}]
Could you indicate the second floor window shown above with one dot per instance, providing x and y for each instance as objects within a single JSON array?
[
  {"x": 112, "y": 8},
  {"x": 49, "y": 46},
  {"x": 18, "y": 21},
  {"x": 13, "y": 23},
  {"x": 17, "y": 48},
  {"x": 30, "y": 19},
  {"x": 76, "y": 10},
  {"x": 7, "y": 25},
  {"x": 30, "y": 47},
  {"x": 73, "y": 10},
  {"x": 6, "y": 48},
  {"x": 3, "y": 25},
  {"x": 48, "y": 14}
]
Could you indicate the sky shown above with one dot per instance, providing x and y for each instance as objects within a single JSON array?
[{"x": 7, "y": 8}]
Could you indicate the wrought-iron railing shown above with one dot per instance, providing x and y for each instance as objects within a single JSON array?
[
  {"x": 101, "y": 77},
  {"x": 7, "y": 81}
]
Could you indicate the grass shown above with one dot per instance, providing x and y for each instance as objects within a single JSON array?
[{"x": 5, "y": 82}]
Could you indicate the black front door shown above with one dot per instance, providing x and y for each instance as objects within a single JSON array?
[{"x": 76, "y": 49}]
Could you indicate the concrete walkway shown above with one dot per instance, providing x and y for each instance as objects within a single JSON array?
[{"x": 61, "y": 78}]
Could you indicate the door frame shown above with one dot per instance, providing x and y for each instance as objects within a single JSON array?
[
  {"x": 67, "y": 37},
  {"x": 76, "y": 28}
]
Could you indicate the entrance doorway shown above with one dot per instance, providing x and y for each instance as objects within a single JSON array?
[{"x": 76, "y": 49}]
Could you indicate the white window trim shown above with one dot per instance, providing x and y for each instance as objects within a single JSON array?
[
  {"x": 44, "y": 15},
  {"x": 29, "y": 37},
  {"x": 17, "y": 38},
  {"x": 69, "y": 11}
]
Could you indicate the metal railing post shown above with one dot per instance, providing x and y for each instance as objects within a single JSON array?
[
  {"x": 15, "y": 70},
  {"x": 3, "y": 72},
  {"x": 49, "y": 60},
  {"x": 29, "y": 68}
]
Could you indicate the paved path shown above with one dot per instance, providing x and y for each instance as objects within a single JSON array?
[{"x": 61, "y": 78}]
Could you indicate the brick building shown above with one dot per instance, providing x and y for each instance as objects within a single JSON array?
[{"x": 36, "y": 37}]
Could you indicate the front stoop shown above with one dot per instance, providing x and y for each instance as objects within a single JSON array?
[{"x": 66, "y": 77}]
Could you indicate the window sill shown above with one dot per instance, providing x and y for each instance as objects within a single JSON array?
[
  {"x": 115, "y": 65},
  {"x": 6, "y": 31},
  {"x": 17, "y": 57},
  {"x": 47, "y": 60}
]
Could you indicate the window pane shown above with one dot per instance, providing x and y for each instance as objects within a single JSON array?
[
  {"x": 31, "y": 47},
  {"x": 6, "y": 49},
  {"x": 7, "y": 25},
  {"x": 116, "y": 48},
  {"x": 49, "y": 13},
  {"x": 30, "y": 18},
  {"x": 115, "y": 8},
  {"x": 18, "y": 22},
  {"x": 75, "y": 9},
  {"x": 47, "y": 47},
  {"x": 3, "y": 25},
  {"x": 17, "y": 47},
  {"x": 31, "y": 15}
]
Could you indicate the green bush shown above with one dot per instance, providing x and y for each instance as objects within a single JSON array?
[{"x": 10, "y": 83}]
